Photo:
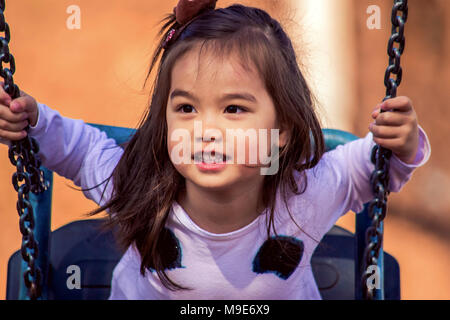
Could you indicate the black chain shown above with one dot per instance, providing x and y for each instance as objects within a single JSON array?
[
  {"x": 380, "y": 156},
  {"x": 24, "y": 155}
]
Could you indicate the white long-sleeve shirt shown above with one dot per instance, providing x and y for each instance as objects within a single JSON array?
[{"x": 241, "y": 264}]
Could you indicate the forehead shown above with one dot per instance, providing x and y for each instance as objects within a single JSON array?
[{"x": 199, "y": 68}]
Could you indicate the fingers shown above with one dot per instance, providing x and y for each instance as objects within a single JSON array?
[
  {"x": 400, "y": 104},
  {"x": 14, "y": 115},
  {"x": 386, "y": 132},
  {"x": 398, "y": 111},
  {"x": 20, "y": 104},
  {"x": 13, "y": 136},
  {"x": 389, "y": 118},
  {"x": 396, "y": 128},
  {"x": 17, "y": 105},
  {"x": 393, "y": 123},
  {"x": 7, "y": 115},
  {"x": 12, "y": 124},
  {"x": 391, "y": 144}
]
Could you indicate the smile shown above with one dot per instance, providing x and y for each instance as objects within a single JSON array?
[
  {"x": 210, "y": 158},
  {"x": 210, "y": 161}
]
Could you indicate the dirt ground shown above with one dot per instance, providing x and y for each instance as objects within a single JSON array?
[{"x": 95, "y": 74}]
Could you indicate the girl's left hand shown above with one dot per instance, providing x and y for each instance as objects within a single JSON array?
[{"x": 396, "y": 129}]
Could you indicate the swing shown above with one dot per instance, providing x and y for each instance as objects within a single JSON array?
[{"x": 42, "y": 267}]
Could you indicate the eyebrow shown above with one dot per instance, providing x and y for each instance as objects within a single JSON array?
[{"x": 228, "y": 96}]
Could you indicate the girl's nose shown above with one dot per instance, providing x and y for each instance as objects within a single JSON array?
[
  {"x": 209, "y": 129},
  {"x": 209, "y": 134}
]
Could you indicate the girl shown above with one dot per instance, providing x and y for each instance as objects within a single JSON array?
[{"x": 208, "y": 229}]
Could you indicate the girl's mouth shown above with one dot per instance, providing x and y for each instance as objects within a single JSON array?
[
  {"x": 210, "y": 161},
  {"x": 210, "y": 157}
]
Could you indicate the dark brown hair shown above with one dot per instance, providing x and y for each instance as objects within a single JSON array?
[{"x": 145, "y": 182}]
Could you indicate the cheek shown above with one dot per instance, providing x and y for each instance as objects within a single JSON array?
[
  {"x": 179, "y": 147},
  {"x": 179, "y": 141},
  {"x": 179, "y": 157}
]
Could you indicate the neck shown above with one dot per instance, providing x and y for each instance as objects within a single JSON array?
[{"x": 225, "y": 210}]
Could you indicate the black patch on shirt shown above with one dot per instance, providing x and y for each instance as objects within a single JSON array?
[
  {"x": 280, "y": 255},
  {"x": 170, "y": 247}
]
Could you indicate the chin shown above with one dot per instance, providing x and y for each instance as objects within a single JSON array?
[
  {"x": 211, "y": 182},
  {"x": 222, "y": 180},
  {"x": 215, "y": 186}
]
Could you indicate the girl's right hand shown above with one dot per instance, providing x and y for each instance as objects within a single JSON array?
[{"x": 15, "y": 115}]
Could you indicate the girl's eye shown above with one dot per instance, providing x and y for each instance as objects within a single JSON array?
[
  {"x": 185, "y": 108},
  {"x": 235, "y": 109}
]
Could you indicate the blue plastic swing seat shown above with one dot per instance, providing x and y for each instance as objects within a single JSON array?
[{"x": 335, "y": 262}]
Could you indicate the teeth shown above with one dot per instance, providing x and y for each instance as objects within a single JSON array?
[{"x": 210, "y": 159}]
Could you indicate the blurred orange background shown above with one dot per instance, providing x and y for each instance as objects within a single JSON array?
[{"x": 96, "y": 73}]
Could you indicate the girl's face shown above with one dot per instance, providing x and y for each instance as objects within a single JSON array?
[{"x": 219, "y": 94}]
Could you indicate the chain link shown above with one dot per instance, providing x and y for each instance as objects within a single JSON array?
[
  {"x": 24, "y": 155},
  {"x": 380, "y": 156}
]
